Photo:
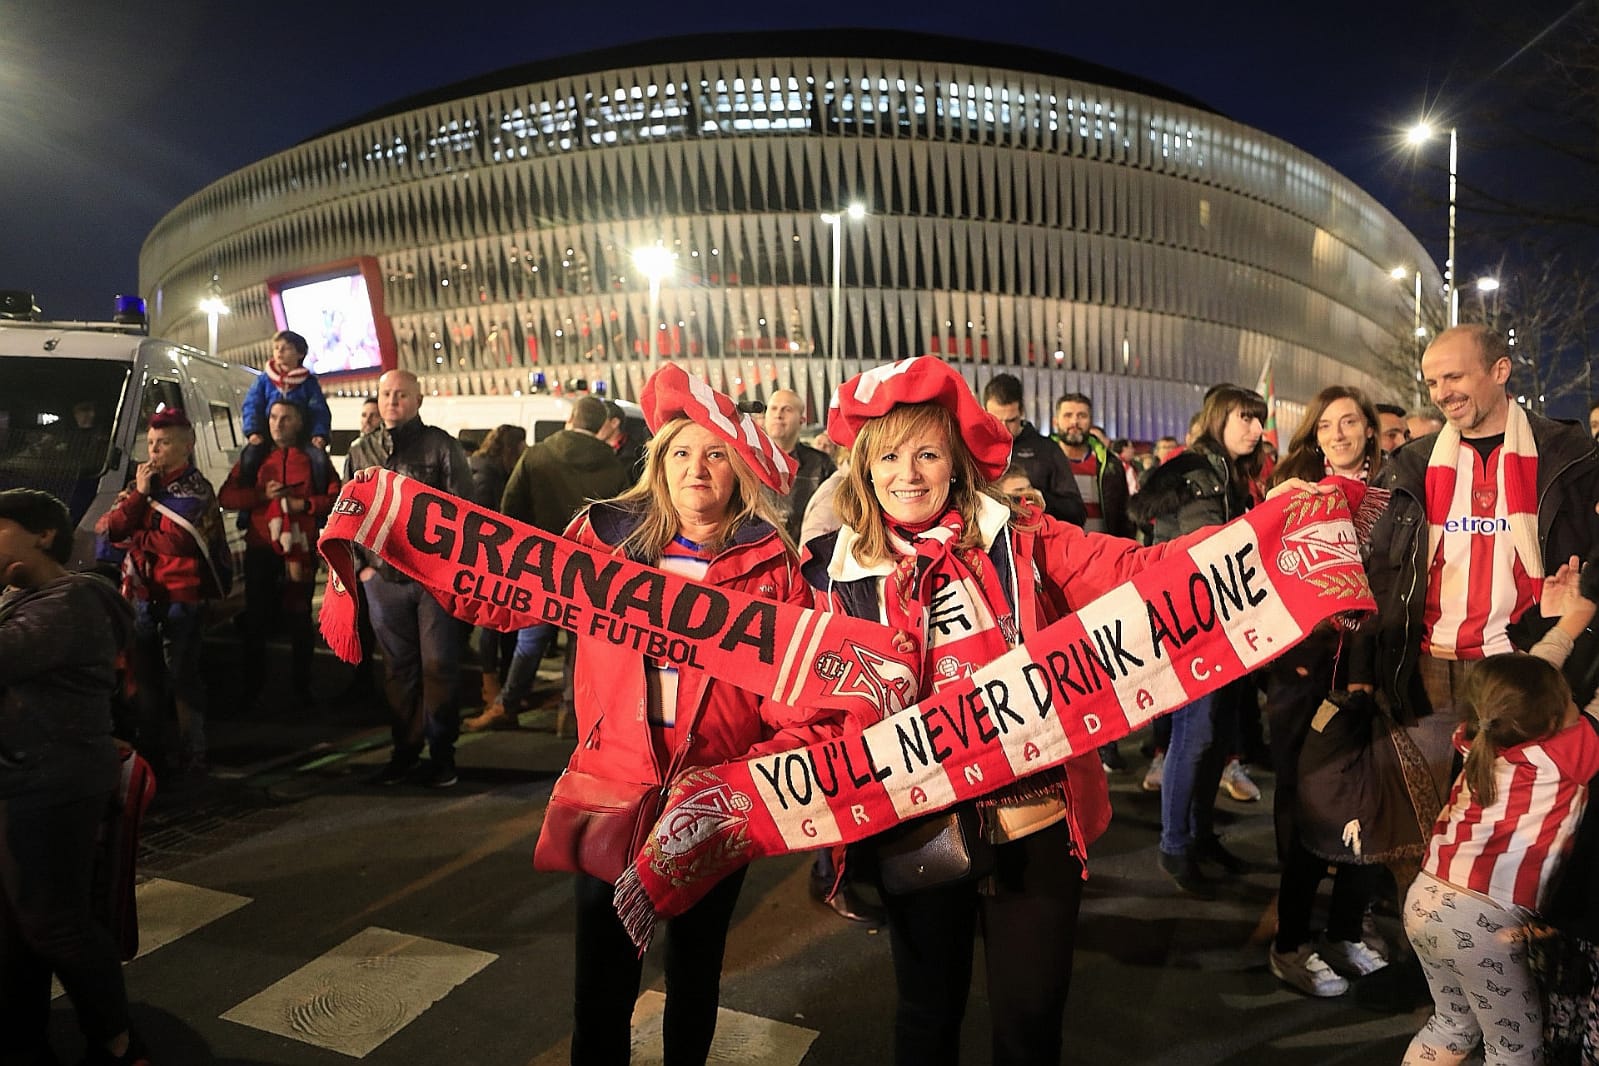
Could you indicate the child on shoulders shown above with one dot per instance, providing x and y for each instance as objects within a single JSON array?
[{"x": 285, "y": 378}]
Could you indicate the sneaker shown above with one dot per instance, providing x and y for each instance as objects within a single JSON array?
[
  {"x": 1110, "y": 757},
  {"x": 1157, "y": 769},
  {"x": 494, "y": 716},
  {"x": 1238, "y": 784},
  {"x": 1304, "y": 970},
  {"x": 1185, "y": 874},
  {"x": 1352, "y": 958},
  {"x": 398, "y": 771},
  {"x": 440, "y": 773}
]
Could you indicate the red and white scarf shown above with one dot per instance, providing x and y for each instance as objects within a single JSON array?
[
  {"x": 1184, "y": 626},
  {"x": 947, "y": 598},
  {"x": 286, "y": 379},
  {"x": 1484, "y": 564}
]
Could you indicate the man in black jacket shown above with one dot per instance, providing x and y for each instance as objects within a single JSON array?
[
  {"x": 1044, "y": 462},
  {"x": 421, "y": 642},
  {"x": 1443, "y": 600}
]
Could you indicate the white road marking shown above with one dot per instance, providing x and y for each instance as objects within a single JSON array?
[
  {"x": 359, "y": 994},
  {"x": 746, "y": 1039}
]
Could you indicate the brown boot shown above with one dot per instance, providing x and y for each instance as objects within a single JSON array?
[
  {"x": 491, "y": 689},
  {"x": 494, "y": 716}
]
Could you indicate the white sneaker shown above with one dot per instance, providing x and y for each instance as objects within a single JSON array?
[
  {"x": 1352, "y": 958},
  {"x": 1304, "y": 970},
  {"x": 1157, "y": 769},
  {"x": 1238, "y": 784}
]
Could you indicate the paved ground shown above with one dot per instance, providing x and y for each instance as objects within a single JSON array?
[{"x": 295, "y": 916}]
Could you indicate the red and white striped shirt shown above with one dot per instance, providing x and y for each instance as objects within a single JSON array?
[
  {"x": 1510, "y": 850},
  {"x": 1476, "y": 585},
  {"x": 1086, "y": 473}
]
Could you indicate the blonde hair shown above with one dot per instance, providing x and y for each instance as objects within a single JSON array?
[
  {"x": 1509, "y": 699},
  {"x": 651, "y": 498},
  {"x": 857, "y": 502}
]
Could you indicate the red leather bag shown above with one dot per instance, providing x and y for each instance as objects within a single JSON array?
[{"x": 596, "y": 825}]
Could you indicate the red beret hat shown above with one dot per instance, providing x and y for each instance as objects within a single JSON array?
[
  {"x": 169, "y": 418},
  {"x": 671, "y": 392},
  {"x": 924, "y": 379}
]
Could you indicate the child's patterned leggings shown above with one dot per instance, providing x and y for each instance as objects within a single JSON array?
[{"x": 1475, "y": 955}]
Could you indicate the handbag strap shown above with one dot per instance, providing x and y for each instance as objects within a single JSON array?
[{"x": 188, "y": 527}]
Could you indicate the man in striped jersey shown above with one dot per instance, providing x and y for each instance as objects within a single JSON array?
[
  {"x": 1100, "y": 476},
  {"x": 1481, "y": 511}
]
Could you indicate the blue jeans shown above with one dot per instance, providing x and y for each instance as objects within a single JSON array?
[
  {"x": 1192, "y": 736},
  {"x": 531, "y": 644},
  {"x": 422, "y": 657},
  {"x": 167, "y": 666}
]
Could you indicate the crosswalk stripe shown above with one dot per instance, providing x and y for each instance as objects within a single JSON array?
[
  {"x": 747, "y": 1039},
  {"x": 354, "y": 997},
  {"x": 171, "y": 909}
]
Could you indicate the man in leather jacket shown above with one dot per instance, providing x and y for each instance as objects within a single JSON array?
[
  {"x": 421, "y": 643},
  {"x": 1466, "y": 369}
]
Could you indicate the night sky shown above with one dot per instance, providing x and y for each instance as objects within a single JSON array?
[{"x": 111, "y": 113}]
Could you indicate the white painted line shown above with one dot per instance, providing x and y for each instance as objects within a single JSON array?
[
  {"x": 171, "y": 909},
  {"x": 359, "y": 994},
  {"x": 745, "y": 1039}
]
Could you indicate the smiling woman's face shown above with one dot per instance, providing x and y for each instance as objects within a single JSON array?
[{"x": 911, "y": 478}]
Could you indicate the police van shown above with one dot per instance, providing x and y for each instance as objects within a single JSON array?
[{"x": 75, "y": 399}]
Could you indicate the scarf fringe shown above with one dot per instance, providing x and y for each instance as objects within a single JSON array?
[{"x": 634, "y": 908}]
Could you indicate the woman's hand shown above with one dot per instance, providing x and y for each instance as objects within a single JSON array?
[
  {"x": 1560, "y": 589},
  {"x": 903, "y": 642},
  {"x": 1298, "y": 484}
]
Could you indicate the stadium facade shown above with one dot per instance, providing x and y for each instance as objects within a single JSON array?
[{"x": 1085, "y": 229}]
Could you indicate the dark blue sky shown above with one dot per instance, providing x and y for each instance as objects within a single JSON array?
[{"x": 111, "y": 113}]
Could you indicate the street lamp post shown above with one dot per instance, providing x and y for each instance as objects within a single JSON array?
[
  {"x": 835, "y": 345},
  {"x": 1420, "y": 133},
  {"x": 213, "y": 307},
  {"x": 1418, "y": 332},
  {"x": 656, "y": 262}
]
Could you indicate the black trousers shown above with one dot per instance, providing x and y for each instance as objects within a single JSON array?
[
  {"x": 47, "y": 926},
  {"x": 270, "y": 600},
  {"x": 609, "y": 970},
  {"x": 1029, "y": 924}
]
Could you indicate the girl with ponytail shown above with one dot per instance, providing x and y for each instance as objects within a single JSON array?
[{"x": 1499, "y": 844}]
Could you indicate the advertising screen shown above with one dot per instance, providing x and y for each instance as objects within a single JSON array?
[{"x": 335, "y": 311}]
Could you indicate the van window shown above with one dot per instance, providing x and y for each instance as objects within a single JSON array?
[
  {"x": 56, "y": 424},
  {"x": 545, "y": 427},
  {"x": 223, "y": 429}
]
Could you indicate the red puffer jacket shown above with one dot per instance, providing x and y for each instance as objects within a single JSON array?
[
  {"x": 164, "y": 561},
  {"x": 291, "y": 466},
  {"x": 719, "y": 722}
]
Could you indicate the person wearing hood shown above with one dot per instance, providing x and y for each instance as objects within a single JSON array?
[
  {"x": 60, "y": 634},
  {"x": 554, "y": 480}
]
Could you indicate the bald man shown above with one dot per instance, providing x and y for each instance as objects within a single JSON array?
[
  {"x": 421, "y": 642},
  {"x": 785, "y": 414}
]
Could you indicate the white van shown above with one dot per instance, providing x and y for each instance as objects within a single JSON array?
[
  {"x": 75, "y": 398},
  {"x": 474, "y": 416}
]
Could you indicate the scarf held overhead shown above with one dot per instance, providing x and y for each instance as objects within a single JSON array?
[
  {"x": 491, "y": 571},
  {"x": 1182, "y": 628}
]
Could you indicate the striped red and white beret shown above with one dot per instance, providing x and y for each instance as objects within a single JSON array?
[
  {"x": 671, "y": 392},
  {"x": 924, "y": 379}
]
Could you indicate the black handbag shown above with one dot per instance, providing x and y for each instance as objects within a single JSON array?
[
  {"x": 943, "y": 848},
  {"x": 1365, "y": 794}
]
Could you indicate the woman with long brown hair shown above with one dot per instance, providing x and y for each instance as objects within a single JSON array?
[
  {"x": 1214, "y": 481},
  {"x": 1336, "y": 438}
]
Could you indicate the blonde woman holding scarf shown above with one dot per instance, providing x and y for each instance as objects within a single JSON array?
[{"x": 931, "y": 549}]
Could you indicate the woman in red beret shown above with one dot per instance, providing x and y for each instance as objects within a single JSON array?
[
  {"x": 698, "y": 511},
  {"x": 928, "y": 546}
]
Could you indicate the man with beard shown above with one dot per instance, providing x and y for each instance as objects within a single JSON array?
[
  {"x": 1046, "y": 467},
  {"x": 1100, "y": 476}
]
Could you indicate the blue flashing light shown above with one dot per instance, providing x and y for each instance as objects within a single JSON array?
[
  {"x": 539, "y": 381},
  {"x": 599, "y": 388}
]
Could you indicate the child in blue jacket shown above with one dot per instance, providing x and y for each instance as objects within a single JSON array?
[{"x": 286, "y": 377}]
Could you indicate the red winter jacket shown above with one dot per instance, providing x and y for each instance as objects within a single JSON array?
[
  {"x": 720, "y": 722},
  {"x": 1061, "y": 569},
  {"x": 291, "y": 466},
  {"x": 164, "y": 562}
]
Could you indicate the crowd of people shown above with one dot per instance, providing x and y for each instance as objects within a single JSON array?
[{"x": 916, "y": 509}]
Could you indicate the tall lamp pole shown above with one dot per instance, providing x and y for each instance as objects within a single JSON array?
[
  {"x": 213, "y": 307},
  {"x": 656, "y": 262},
  {"x": 835, "y": 220},
  {"x": 1419, "y": 134}
]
